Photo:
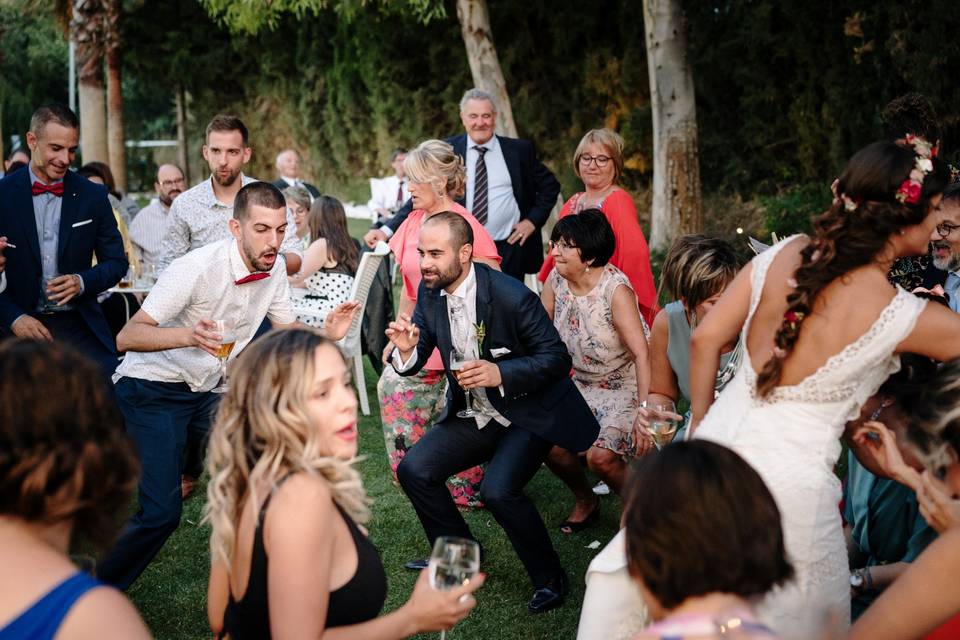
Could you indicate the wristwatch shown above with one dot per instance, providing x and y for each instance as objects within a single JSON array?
[{"x": 861, "y": 580}]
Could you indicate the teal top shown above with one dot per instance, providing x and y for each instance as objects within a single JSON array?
[
  {"x": 678, "y": 350},
  {"x": 885, "y": 522}
]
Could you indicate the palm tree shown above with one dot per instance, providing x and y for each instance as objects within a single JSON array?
[
  {"x": 87, "y": 34},
  {"x": 115, "y": 135}
]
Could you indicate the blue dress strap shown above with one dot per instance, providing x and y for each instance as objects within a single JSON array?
[{"x": 42, "y": 620}]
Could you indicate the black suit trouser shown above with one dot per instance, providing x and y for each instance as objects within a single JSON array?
[{"x": 513, "y": 456}]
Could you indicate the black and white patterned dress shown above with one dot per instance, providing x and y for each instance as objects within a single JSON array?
[{"x": 324, "y": 290}]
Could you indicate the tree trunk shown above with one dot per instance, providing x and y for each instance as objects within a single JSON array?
[
  {"x": 115, "y": 133},
  {"x": 484, "y": 64},
  {"x": 182, "y": 155},
  {"x": 86, "y": 30},
  {"x": 676, "y": 161}
]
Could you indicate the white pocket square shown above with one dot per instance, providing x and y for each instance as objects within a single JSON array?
[
  {"x": 499, "y": 351},
  {"x": 80, "y": 224}
]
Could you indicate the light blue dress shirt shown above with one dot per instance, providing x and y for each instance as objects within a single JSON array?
[
  {"x": 502, "y": 209},
  {"x": 952, "y": 288}
]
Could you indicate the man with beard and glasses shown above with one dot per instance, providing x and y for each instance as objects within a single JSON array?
[
  {"x": 53, "y": 223},
  {"x": 520, "y": 387},
  {"x": 165, "y": 383},
  {"x": 200, "y": 215},
  {"x": 943, "y": 274},
  {"x": 149, "y": 228}
]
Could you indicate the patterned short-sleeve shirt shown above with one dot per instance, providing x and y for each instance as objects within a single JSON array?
[{"x": 197, "y": 219}]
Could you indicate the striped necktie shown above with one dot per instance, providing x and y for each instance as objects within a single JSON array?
[{"x": 480, "y": 189}]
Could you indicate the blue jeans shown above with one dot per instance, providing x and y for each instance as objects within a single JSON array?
[{"x": 159, "y": 416}]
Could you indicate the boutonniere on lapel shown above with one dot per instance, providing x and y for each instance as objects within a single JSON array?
[{"x": 480, "y": 331}]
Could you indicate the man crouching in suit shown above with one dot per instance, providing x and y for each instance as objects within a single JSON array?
[{"x": 521, "y": 388}]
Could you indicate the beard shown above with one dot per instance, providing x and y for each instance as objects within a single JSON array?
[
  {"x": 227, "y": 180},
  {"x": 444, "y": 278},
  {"x": 259, "y": 260},
  {"x": 167, "y": 200},
  {"x": 950, "y": 263}
]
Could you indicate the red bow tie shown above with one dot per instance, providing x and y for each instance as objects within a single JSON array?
[
  {"x": 253, "y": 277},
  {"x": 56, "y": 188}
]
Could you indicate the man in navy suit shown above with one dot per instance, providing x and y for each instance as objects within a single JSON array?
[
  {"x": 57, "y": 222},
  {"x": 520, "y": 386},
  {"x": 509, "y": 190}
]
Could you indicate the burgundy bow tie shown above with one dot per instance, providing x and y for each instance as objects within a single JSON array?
[
  {"x": 56, "y": 188},
  {"x": 253, "y": 277}
]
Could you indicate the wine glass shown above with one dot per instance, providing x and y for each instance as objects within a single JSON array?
[
  {"x": 228, "y": 338},
  {"x": 663, "y": 424},
  {"x": 457, "y": 359},
  {"x": 453, "y": 562}
]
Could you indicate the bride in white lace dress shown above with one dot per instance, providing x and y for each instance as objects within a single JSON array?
[{"x": 821, "y": 326}]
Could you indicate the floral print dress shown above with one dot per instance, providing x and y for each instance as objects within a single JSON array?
[{"x": 603, "y": 368}]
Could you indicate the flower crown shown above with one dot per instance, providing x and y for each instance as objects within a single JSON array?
[{"x": 910, "y": 189}]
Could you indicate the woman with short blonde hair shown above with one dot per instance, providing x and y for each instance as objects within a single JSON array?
[{"x": 598, "y": 162}]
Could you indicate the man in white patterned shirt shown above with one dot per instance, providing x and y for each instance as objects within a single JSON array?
[
  {"x": 164, "y": 384},
  {"x": 201, "y": 214},
  {"x": 149, "y": 228}
]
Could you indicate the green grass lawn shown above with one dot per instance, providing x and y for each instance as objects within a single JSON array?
[{"x": 171, "y": 594}]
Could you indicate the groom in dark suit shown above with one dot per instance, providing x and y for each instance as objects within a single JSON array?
[
  {"x": 509, "y": 189},
  {"x": 57, "y": 222},
  {"x": 521, "y": 389}
]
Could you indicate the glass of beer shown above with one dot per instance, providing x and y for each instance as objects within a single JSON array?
[{"x": 228, "y": 338}]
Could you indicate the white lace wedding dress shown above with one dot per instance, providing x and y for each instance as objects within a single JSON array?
[{"x": 792, "y": 438}]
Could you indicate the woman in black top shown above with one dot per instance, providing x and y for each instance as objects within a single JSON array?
[{"x": 288, "y": 557}]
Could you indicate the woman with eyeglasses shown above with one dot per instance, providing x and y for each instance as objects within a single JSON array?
[
  {"x": 598, "y": 162},
  {"x": 928, "y": 461}
]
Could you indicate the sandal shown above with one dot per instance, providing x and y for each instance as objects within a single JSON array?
[{"x": 574, "y": 527}]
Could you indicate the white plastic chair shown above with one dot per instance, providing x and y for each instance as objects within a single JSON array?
[{"x": 350, "y": 345}]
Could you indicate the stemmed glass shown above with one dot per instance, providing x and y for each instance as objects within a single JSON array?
[
  {"x": 453, "y": 562},
  {"x": 228, "y": 338},
  {"x": 663, "y": 424},
  {"x": 457, "y": 359}
]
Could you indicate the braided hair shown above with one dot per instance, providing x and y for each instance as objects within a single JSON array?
[{"x": 851, "y": 233}]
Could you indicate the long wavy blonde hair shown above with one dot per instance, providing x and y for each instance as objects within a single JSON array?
[{"x": 263, "y": 432}]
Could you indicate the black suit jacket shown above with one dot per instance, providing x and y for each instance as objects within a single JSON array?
[
  {"x": 87, "y": 228},
  {"x": 540, "y": 396},
  {"x": 281, "y": 184},
  {"x": 535, "y": 189}
]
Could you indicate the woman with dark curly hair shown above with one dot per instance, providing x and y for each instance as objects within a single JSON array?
[
  {"x": 822, "y": 329},
  {"x": 66, "y": 473}
]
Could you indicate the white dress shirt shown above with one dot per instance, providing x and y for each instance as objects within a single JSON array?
[
  {"x": 467, "y": 292},
  {"x": 200, "y": 285},
  {"x": 502, "y": 209},
  {"x": 197, "y": 219},
  {"x": 386, "y": 195},
  {"x": 148, "y": 230}
]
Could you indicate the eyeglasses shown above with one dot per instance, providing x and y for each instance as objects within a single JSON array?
[
  {"x": 944, "y": 229},
  {"x": 600, "y": 161},
  {"x": 561, "y": 245},
  {"x": 166, "y": 184}
]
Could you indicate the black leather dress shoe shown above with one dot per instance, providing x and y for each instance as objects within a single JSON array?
[
  {"x": 417, "y": 565},
  {"x": 551, "y": 595}
]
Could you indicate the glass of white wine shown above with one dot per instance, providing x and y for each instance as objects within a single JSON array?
[
  {"x": 453, "y": 562},
  {"x": 459, "y": 358},
  {"x": 663, "y": 423},
  {"x": 228, "y": 338}
]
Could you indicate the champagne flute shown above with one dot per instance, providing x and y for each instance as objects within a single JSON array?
[
  {"x": 453, "y": 562},
  {"x": 228, "y": 338},
  {"x": 459, "y": 358},
  {"x": 663, "y": 424}
]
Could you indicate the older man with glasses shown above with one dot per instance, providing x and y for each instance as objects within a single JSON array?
[
  {"x": 150, "y": 226},
  {"x": 942, "y": 276}
]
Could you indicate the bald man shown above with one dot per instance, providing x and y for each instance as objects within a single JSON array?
[
  {"x": 150, "y": 226},
  {"x": 288, "y": 165}
]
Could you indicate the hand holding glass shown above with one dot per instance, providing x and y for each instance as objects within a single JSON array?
[
  {"x": 228, "y": 338},
  {"x": 663, "y": 423},
  {"x": 453, "y": 562},
  {"x": 457, "y": 360}
]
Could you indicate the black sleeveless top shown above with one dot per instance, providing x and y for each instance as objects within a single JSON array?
[{"x": 359, "y": 600}]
